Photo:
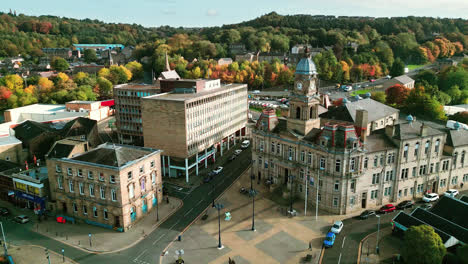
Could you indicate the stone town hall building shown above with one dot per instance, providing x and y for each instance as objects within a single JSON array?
[{"x": 355, "y": 166}]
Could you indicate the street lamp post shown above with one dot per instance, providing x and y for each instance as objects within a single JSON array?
[
  {"x": 219, "y": 207},
  {"x": 4, "y": 240},
  {"x": 63, "y": 255},
  {"x": 157, "y": 210},
  {"x": 89, "y": 235},
  {"x": 252, "y": 193},
  {"x": 378, "y": 231},
  {"x": 291, "y": 178}
]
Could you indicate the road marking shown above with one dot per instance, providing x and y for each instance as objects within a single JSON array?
[
  {"x": 342, "y": 245},
  {"x": 143, "y": 252},
  {"x": 158, "y": 239},
  {"x": 200, "y": 202},
  {"x": 188, "y": 212},
  {"x": 175, "y": 224},
  {"x": 339, "y": 259}
]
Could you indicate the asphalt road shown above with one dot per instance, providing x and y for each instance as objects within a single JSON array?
[
  {"x": 345, "y": 249},
  {"x": 149, "y": 249}
]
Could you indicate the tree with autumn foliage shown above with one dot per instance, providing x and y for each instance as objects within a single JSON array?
[{"x": 396, "y": 94}]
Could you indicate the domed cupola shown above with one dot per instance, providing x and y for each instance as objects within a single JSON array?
[{"x": 306, "y": 67}]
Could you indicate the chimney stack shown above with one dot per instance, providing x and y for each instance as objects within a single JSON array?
[
  {"x": 423, "y": 130},
  {"x": 361, "y": 123}
]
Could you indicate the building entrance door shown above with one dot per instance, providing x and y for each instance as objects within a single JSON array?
[
  {"x": 434, "y": 186},
  {"x": 65, "y": 209},
  {"x": 117, "y": 221},
  {"x": 286, "y": 176},
  {"x": 364, "y": 200}
]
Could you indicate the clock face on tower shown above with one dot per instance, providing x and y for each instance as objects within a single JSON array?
[{"x": 299, "y": 86}]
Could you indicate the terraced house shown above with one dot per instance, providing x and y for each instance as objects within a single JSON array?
[
  {"x": 353, "y": 164},
  {"x": 110, "y": 186}
]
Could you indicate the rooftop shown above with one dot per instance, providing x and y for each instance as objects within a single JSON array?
[
  {"x": 347, "y": 112},
  {"x": 9, "y": 140},
  {"x": 190, "y": 96},
  {"x": 447, "y": 205},
  {"x": 114, "y": 155},
  {"x": 404, "y": 79},
  {"x": 409, "y": 130},
  {"x": 63, "y": 148},
  {"x": 456, "y": 138},
  {"x": 135, "y": 86},
  {"x": 39, "y": 108}
]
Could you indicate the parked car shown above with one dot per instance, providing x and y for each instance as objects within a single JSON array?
[
  {"x": 245, "y": 144},
  {"x": 256, "y": 91},
  {"x": 405, "y": 204},
  {"x": 426, "y": 206},
  {"x": 388, "y": 208},
  {"x": 388, "y": 77},
  {"x": 208, "y": 178},
  {"x": 218, "y": 170},
  {"x": 237, "y": 151},
  {"x": 371, "y": 80},
  {"x": 451, "y": 193},
  {"x": 430, "y": 197},
  {"x": 366, "y": 214},
  {"x": 233, "y": 157},
  {"x": 329, "y": 240},
  {"x": 4, "y": 211},
  {"x": 22, "y": 219},
  {"x": 337, "y": 226}
]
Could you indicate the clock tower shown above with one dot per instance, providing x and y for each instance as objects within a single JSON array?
[{"x": 304, "y": 101}]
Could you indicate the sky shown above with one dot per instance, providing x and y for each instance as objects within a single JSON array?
[{"x": 198, "y": 13}]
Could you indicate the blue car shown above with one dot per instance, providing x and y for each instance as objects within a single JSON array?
[{"x": 329, "y": 240}]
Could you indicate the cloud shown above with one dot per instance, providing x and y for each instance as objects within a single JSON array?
[{"x": 211, "y": 12}]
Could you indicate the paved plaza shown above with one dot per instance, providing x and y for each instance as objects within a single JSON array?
[{"x": 277, "y": 239}]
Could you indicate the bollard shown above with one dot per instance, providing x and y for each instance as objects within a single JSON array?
[
  {"x": 66, "y": 237},
  {"x": 79, "y": 242},
  {"x": 179, "y": 238},
  {"x": 56, "y": 233}
]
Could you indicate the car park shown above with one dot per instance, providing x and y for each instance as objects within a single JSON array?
[
  {"x": 430, "y": 197},
  {"x": 366, "y": 214},
  {"x": 337, "y": 227},
  {"x": 218, "y": 170},
  {"x": 388, "y": 208},
  {"x": 245, "y": 144},
  {"x": 4, "y": 211},
  {"x": 451, "y": 193},
  {"x": 405, "y": 204},
  {"x": 329, "y": 240},
  {"x": 22, "y": 219}
]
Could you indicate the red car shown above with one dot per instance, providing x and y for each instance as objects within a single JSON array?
[
  {"x": 372, "y": 80},
  {"x": 388, "y": 208}
]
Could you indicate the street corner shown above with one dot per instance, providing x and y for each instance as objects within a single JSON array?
[{"x": 27, "y": 254}]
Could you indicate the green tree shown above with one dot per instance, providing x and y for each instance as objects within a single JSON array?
[
  {"x": 90, "y": 55},
  {"x": 379, "y": 96},
  {"x": 398, "y": 68},
  {"x": 104, "y": 87},
  {"x": 59, "y": 64},
  {"x": 136, "y": 69},
  {"x": 455, "y": 93},
  {"x": 462, "y": 251},
  {"x": 421, "y": 244}
]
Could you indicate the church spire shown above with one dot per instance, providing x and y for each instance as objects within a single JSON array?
[{"x": 168, "y": 67}]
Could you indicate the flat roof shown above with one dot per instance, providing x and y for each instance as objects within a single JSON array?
[
  {"x": 137, "y": 86},
  {"x": 82, "y": 102},
  {"x": 9, "y": 140},
  {"x": 39, "y": 108},
  {"x": 190, "y": 96}
]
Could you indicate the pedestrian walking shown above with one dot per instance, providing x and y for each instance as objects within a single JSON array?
[
  {"x": 310, "y": 246},
  {"x": 167, "y": 199}
]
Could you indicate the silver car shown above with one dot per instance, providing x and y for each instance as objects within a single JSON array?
[{"x": 22, "y": 219}]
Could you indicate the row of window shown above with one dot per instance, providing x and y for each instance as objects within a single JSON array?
[
  {"x": 417, "y": 151},
  {"x": 91, "y": 189},
  {"x": 94, "y": 209}
]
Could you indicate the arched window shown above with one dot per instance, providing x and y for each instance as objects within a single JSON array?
[
  {"x": 416, "y": 149},
  {"x": 298, "y": 113},
  {"x": 426, "y": 148},
  {"x": 462, "y": 158},
  {"x": 405, "y": 151},
  {"x": 436, "y": 148}
]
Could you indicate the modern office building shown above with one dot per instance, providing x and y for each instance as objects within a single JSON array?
[
  {"x": 345, "y": 166},
  {"x": 127, "y": 99},
  {"x": 111, "y": 186},
  {"x": 194, "y": 123}
]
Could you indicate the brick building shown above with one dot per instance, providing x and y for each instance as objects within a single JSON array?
[
  {"x": 111, "y": 186},
  {"x": 192, "y": 124},
  {"x": 347, "y": 167},
  {"x": 127, "y": 98}
]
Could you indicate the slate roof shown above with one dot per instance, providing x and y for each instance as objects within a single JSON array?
[
  {"x": 441, "y": 223},
  {"x": 378, "y": 141},
  {"x": 404, "y": 79},
  {"x": 446, "y": 206},
  {"x": 170, "y": 75},
  {"x": 456, "y": 138},
  {"x": 31, "y": 129},
  {"x": 86, "y": 126},
  {"x": 63, "y": 148},
  {"x": 412, "y": 130},
  {"x": 6, "y": 165},
  {"x": 408, "y": 221},
  {"x": 347, "y": 112},
  {"x": 464, "y": 198},
  {"x": 113, "y": 154}
]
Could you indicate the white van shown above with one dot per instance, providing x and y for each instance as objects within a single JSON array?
[{"x": 245, "y": 144}]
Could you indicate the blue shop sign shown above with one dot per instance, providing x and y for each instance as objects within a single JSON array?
[{"x": 30, "y": 197}]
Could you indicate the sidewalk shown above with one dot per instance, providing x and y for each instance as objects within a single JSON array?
[
  {"x": 102, "y": 239},
  {"x": 277, "y": 239},
  {"x": 389, "y": 245},
  {"x": 28, "y": 254}
]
